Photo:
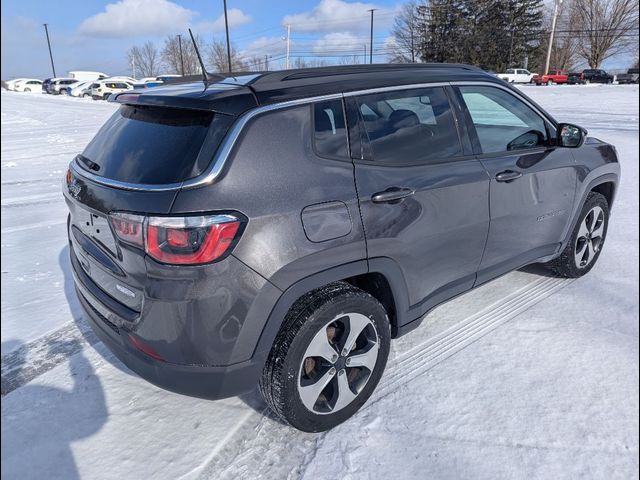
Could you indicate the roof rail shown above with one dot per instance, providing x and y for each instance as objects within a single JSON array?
[{"x": 303, "y": 73}]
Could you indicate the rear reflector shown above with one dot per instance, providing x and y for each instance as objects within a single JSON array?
[
  {"x": 144, "y": 347},
  {"x": 179, "y": 240}
]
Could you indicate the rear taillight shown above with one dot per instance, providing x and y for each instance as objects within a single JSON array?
[
  {"x": 129, "y": 228},
  {"x": 179, "y": 240},
  {"x": 582, "y": 76}
]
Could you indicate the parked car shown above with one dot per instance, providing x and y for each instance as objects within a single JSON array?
[
  {"x": 596, "y": 76},
  {"x": 81, "y": 89},
  {"x": 553, "y": 77},
  {"x": 28, "y": 85},
  {"x": 55, "y": 85},
  {"x": 575, "y": 78},
  {"x": 103, "y": 89},
  {"x": 11, "y": 83},
  {"x": 516, "y": 75},
  {"x": 632, "y": 76},
  {"x": 280, "y": 228}
]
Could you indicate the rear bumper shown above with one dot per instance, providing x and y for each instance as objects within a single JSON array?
[{"x": 194, "y": 380}]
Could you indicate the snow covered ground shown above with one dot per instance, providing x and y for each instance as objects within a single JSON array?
[{"x": 529, "y": 376}]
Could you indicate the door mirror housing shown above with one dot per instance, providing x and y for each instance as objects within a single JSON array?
[{"x": 571, "y": 136}]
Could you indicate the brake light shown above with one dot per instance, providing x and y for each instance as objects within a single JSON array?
[
  {"x": 190, "y": 240},
  {"x": 128, "y": 227},
  {"x": 179, "y": 240}
]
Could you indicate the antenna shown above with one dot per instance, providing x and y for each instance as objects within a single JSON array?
[{"x": 205, "y": 74}]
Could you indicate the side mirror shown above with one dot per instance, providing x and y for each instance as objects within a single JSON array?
[{"x": 571, "y": 136}]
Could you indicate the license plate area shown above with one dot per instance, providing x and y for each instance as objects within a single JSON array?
[{"x": 96, "y": 227}]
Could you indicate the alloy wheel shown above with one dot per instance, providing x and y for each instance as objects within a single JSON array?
[
  {"x": 338, "y": 363},
  {"x": 590, "y": 237}
]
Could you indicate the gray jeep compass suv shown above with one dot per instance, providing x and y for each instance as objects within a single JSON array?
[{"x": 280, "y": 228}]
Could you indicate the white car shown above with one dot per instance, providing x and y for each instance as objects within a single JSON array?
[
  {"x": 28, "y": 85},
  {"x": 103, "y": 89},
  {"x": 516, "y": 75},
  {"x": 82, "y": 89},
  {"x": 11, "y": 84}
]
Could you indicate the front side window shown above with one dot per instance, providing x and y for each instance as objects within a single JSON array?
[
  {"x": 330, "y": 135},
  {"x": 502, "y": 121},
  {"x": 410, "y": 126}
]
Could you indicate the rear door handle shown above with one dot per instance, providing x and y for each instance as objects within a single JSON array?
[
  {"x": 508, "y": 176},
  {"x": 392, "y": 195}
]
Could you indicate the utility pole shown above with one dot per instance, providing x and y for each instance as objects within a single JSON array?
[
  {"x": 553, "y": 32},
  {"x": 288, "y": 44},
  {"x": 181, "y": 57},
  {"x": 266, "y": 62},
  {"x": 46, "y": 31},
  {"x": 226, "y": 27},
  {"x": 371, "y": 38}
]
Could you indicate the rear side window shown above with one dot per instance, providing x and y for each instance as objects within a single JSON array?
[
  {"x": 410, "y": 126},
  {"x": 329, "y": 132},
  {"x": 154, "y": 145}
]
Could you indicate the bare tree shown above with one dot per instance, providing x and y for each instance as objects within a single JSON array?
[
  {"x": 144, "y": 59},
  {"x": 173, "y": 59},
  {"x": 217, "y": 57},
  {"x": 350, "y": 60},
  {"x": 564, "y": 54},
  {"x": 406, "y": 34},
  {"x": 607, "y": 28}
]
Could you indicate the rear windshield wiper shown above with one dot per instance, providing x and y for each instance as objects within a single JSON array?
[{"x": 88, "y": 163}]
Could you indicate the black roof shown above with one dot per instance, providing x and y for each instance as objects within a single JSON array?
[{"x": 241, "y": 91}]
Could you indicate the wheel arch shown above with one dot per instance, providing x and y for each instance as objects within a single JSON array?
[
  {"x": 605, "y": 183},
  {"x": 380, "y": 277}
]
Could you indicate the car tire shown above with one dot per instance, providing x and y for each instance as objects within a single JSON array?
[
  {"x": 106, "y": 96},
  {"x": 27, "y": 90},
  {"x": 587, "y": 239},
  {"x": 314, "y": 393}
]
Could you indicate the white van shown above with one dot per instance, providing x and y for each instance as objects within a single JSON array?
[{"x": 83, "y": 75}]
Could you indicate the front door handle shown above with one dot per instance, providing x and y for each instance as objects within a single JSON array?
[
  {"x": 392, "y": 195},
  {"x": 508, "y": 176}
]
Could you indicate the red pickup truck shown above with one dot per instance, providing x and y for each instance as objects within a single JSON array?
[{"x": 554, "y": 76}]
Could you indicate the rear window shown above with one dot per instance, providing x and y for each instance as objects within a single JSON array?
[{"x": 154, "y": 145}]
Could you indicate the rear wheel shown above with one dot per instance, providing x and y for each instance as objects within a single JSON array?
[
  {"x": 328, "y": 357},
  {"x": 27, "y": 89},
  {"x": 587, "y": 239}
]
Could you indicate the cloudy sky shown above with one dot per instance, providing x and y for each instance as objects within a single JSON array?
[{"x": 95, "y": 34}]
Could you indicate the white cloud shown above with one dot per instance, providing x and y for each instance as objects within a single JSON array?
[
  {"x": 336, "y": 15},
  {"x": 131, "y": 18},
  {"x": 235, "y": 16},
  {"x": 266, "y": 46},
  {"x": 340, "y": 43}
]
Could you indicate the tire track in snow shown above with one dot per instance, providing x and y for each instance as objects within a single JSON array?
[
  {"x": 32, "y": 359},
  {"x": 270, "y": 439}
]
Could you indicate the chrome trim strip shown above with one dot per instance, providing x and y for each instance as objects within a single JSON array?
[
  {"x": 395, "y": 88},
  {"x": 219, "y": 160}
]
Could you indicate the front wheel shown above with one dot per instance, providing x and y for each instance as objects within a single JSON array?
[
  {"x": 328, "y": 357},
  {"x": 587, "y": 239}
]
